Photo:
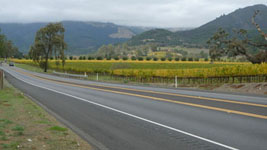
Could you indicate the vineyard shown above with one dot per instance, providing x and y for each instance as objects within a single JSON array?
[{"x": 164, "y": 71}]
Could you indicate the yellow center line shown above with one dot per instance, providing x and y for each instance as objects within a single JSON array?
[
  {"x": 155, "y": 98},
  {"x": 189, "y": 96},
  {"x": 183, "y": 95}
]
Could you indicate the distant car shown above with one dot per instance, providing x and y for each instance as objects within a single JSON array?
[{"x": 11, "y": 64}]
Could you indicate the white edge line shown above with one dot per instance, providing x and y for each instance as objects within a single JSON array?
[{"x": 131, "y": 115}]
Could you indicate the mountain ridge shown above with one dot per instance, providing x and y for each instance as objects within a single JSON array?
[
  {"x": 85, "y": 37},
  {"x": 82, "y": 37},
  {"x": 240, "y": 18}
]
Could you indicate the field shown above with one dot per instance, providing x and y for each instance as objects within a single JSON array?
[{"x": 170, "y": 69}]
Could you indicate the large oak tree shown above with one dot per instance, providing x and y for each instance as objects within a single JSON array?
[
  {"x": 221, "y": 44},
  {"x": 49, "y": 42}
]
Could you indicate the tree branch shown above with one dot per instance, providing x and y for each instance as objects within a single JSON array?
[{"x": 257, "y": 25}]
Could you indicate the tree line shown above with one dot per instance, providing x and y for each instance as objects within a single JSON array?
[
  {"x": 140, "y": 58},
  {"x": 7, "y": 48}
]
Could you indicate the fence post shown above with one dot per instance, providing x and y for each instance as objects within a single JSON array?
[
  {"x": 1, "y": 79},
  {"x": 176, "y": 82},
  {"x": 96, "y": 76}
]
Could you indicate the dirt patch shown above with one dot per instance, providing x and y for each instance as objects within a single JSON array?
[
  {"x": 252, "y": 88},
  {"x": 237, "y": 86},
  {"x": 258, "y": 86},
  {"x": 6, "y": 104}
]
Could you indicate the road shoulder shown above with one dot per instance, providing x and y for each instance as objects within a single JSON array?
[{"x": 25, "y": 125}]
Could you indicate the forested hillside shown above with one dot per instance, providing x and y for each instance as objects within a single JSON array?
[
  {"x": 239, "y": 19},
  {"x": 81, "y": 37}
]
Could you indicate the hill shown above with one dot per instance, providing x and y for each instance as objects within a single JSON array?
[
  {"x": 82, "y": 37},
  {"x": 239, "y": 19}
]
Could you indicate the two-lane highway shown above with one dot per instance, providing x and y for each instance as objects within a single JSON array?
[{"x": 113, "y": 116}]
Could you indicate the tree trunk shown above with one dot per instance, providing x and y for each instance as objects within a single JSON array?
[{"x": 46, "y": 63}]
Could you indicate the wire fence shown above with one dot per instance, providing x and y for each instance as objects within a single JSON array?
[{"x": 171, "y": 81}]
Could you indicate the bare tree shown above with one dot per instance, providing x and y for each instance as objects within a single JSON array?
[{"x": 221, "y": 44}]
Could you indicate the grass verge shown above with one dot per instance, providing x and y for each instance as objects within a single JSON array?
[
  {"x": 32, "y": 68},
  {"x": 24, "y": 125}
]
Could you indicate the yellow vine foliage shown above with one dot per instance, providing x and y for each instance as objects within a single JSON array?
[{"x": 238, "y": 69}]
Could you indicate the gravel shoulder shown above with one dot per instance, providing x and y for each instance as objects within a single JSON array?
[{"x": 251, "y": 88}]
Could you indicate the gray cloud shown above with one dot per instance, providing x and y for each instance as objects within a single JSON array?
[{"x": 159, "y": 13}]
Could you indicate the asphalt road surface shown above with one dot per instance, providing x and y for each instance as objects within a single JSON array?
[{"x": 124, "y": 117}]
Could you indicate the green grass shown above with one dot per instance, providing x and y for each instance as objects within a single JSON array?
[
  {"x": 10, "y": 146},
  {"x": 2, "y": 133},
  {"x": 19, "y": 129},
  {"x": 31, "y": 68},
  {"x": 58, "y": 128}
]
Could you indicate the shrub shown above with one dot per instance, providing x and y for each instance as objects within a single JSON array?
[
  {"x": 206, "y": 59},
  {"x": 148, "y": 58},
  {"x": 196, "y": 59},
  {"x": 170, "y": 59},
  {"x": 108, "y": 58},
  {"x": 133, "y": 58},
  {"x": 190, "y": 59},
  {"x": 91, "y": 58},
  {"x": 163, "y": 59},
  {"x": 184, "y": 59},
  {"x": 81, "y": 57},
  {"x": 140, "y": 58},
  {"x": 155, "y": 59},
  {"x": 177, "y": 59},
  {"x": 116, "y": 58},
  {"x": 125, "y": 58},
  {"x": 99, "y": 58}
]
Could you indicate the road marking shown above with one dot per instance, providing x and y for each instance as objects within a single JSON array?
[
  {"x": 163, "y": 93},
  {"x": 155, "y": 98},
  {"x": 189, "y": 96},
  {"x": 131, "y": 115}
]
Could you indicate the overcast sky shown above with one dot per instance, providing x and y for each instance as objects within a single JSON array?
[{"x": 156, "y": 13}]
